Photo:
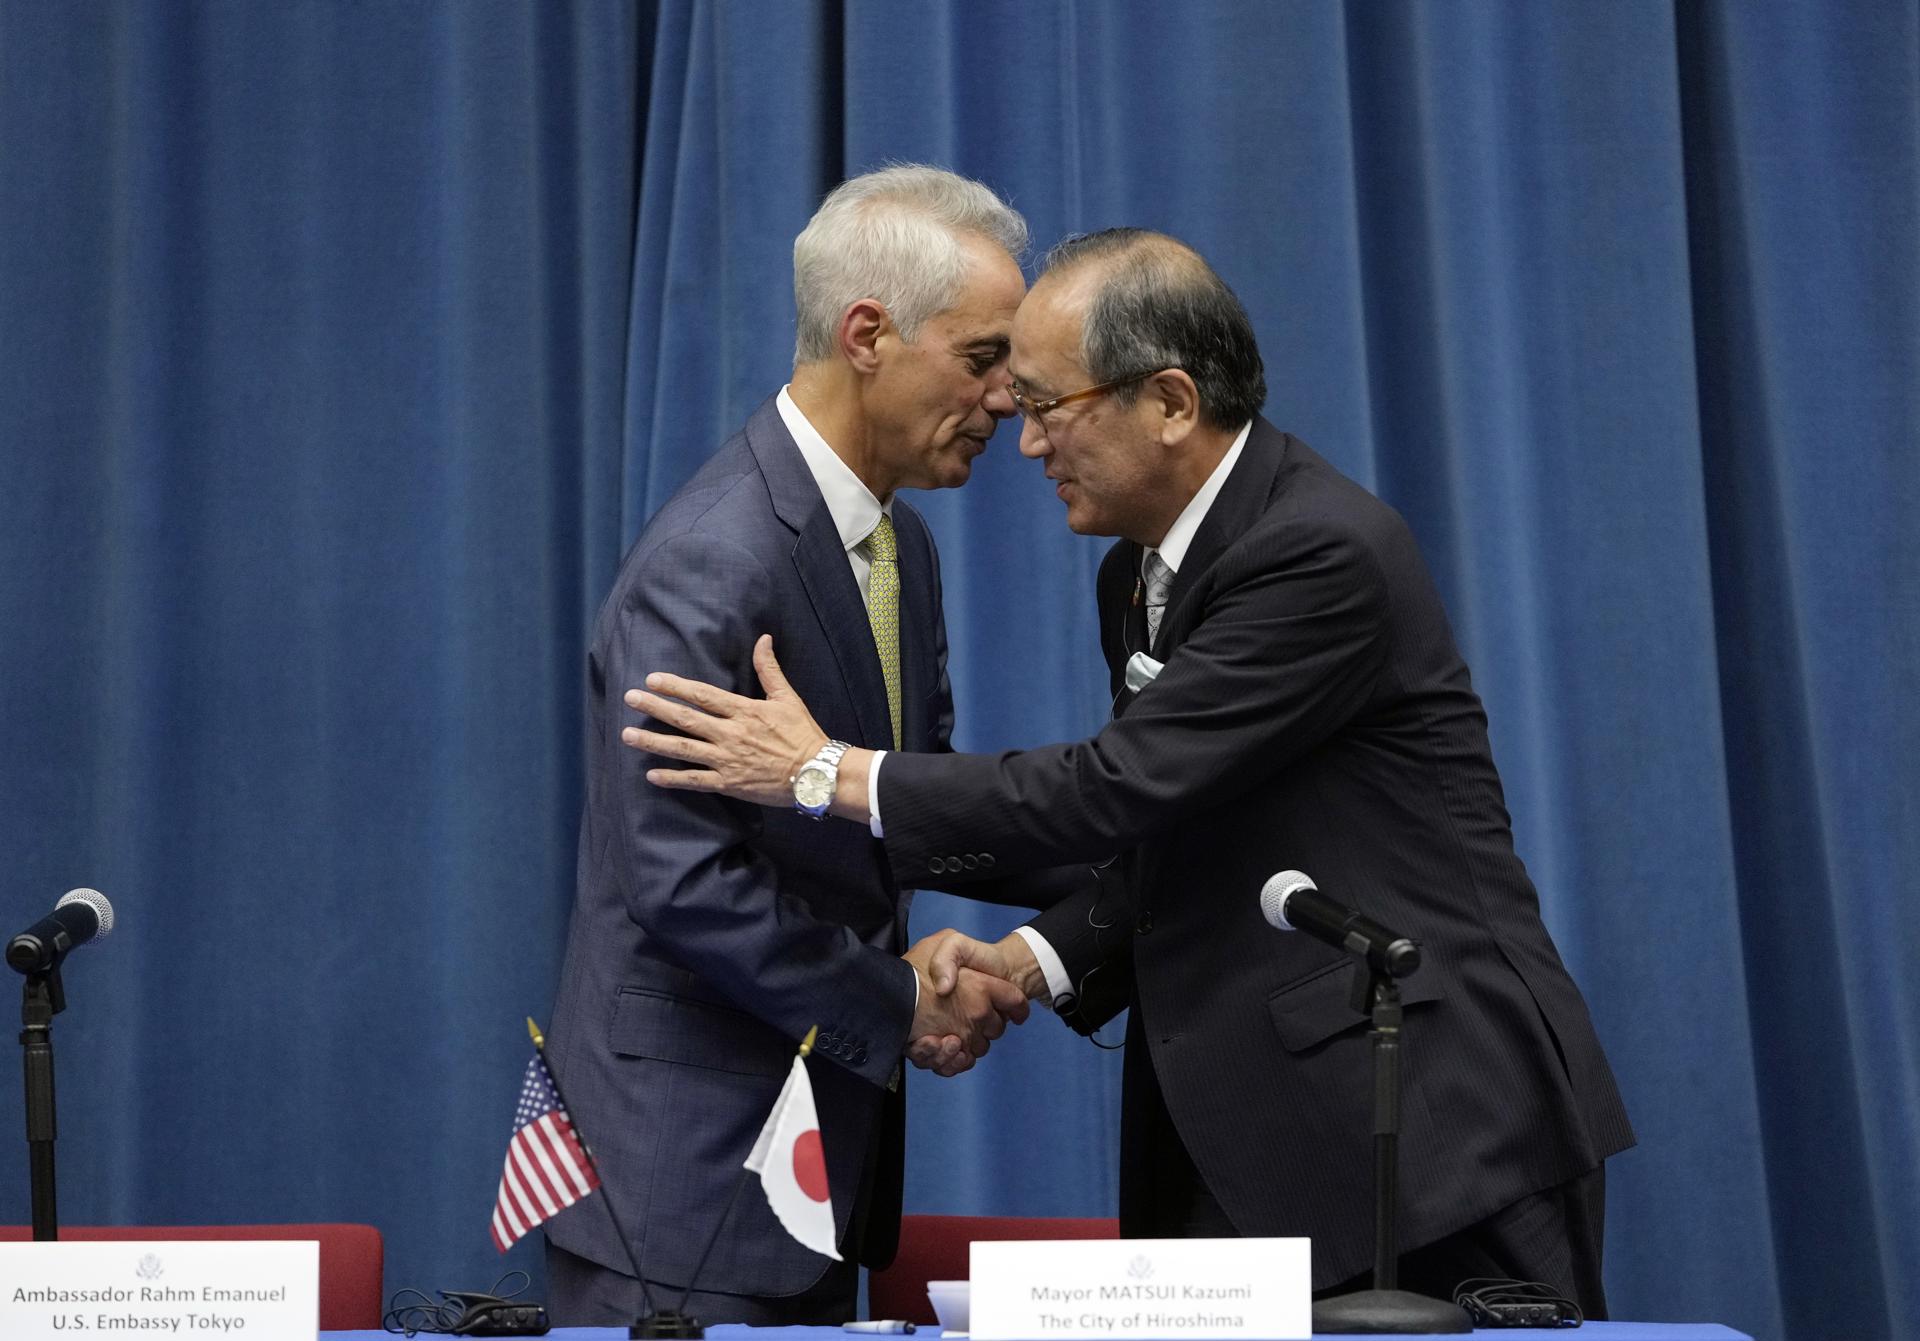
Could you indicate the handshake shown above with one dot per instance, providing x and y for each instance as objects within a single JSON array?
[{"x": 970, "y": 991}]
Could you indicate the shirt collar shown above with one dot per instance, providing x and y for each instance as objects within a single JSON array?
[
  {"x": 854, "y": 509},
  {"x": 1179, "y": 537}
]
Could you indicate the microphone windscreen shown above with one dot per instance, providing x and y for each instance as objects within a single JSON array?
[
  {"x": 1280, "y": 887},
  {"x": 95, "y": 900}
]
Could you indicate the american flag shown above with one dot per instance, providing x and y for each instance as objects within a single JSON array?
[{"x": 547, "y": 1168}]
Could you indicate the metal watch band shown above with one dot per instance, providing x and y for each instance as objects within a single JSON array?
[{"x": 827, "y": 760}]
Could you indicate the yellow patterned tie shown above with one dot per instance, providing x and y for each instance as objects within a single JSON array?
[{"x": 883, "y": 610}]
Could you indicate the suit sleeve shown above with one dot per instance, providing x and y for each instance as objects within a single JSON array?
[
  {"x": 1290, "y": 645},
  {"x": 692, "y": 876}
]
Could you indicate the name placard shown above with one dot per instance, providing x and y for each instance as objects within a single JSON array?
[
  {"x": 1252, "y": 1288},
  {"x": 212, "y": 1288}
]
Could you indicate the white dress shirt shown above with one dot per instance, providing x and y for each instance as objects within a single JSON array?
[
  {"x": 1178, "y": 540},
  {"x": 854, "y": 509}
]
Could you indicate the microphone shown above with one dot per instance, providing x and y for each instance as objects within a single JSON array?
[
  {"x": 80, "y": 916},
  {"x": 1290, "y": 901}
]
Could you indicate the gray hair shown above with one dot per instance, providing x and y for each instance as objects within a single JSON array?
[
  {"x": 1160, "y": 305},
  {"x": 894, "y": 236}
]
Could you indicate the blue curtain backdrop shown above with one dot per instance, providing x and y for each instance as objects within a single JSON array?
[{"x": 343, "y": 348}]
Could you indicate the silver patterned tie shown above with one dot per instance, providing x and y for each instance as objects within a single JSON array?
[{"x": 1159, "y": 582}]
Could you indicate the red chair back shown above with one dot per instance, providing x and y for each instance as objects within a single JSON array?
[
  {"x": 934, "y": 1247},
  {"x": 351, "y": 1258}
]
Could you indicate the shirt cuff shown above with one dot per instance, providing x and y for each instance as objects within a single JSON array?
[
  {"x": 1059, "y": 985},
  {"x": 873, "y": 794}
]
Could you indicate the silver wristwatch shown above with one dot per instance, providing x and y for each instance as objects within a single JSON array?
[{"x": 813, "y": 785}]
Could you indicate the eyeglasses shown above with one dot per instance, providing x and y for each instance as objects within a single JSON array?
[{"x": 1033, "y": 409}]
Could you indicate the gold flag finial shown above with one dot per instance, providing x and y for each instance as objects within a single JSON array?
[
  {"x": 534, "y": 1029},
  {"x": 806, "y": 1044}
]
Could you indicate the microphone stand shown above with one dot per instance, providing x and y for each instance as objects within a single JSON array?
[
  {"x": 1385, "y": 1307},
  {"x": 42, "y": 999}
]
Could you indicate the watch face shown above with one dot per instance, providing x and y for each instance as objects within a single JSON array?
[{"x": 814, "y": 787}]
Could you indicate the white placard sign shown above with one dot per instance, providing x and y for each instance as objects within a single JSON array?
[
  {"x": 259, "y": 1291},
  {"x": 1251, "y": 1288}
]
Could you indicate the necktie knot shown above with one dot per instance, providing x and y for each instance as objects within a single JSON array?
[
  {"x": 1159, "y": 578},
  {"x": 881, "y": 543}
]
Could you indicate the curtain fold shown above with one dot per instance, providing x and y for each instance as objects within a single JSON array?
[
  {"x": 312, "y": 332},
  {"x": 344, "y": 348}
]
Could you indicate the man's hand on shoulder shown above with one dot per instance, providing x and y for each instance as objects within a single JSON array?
[{"x": 747, "y": 748}]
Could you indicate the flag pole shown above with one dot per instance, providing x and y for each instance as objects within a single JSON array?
[
  {"x": 806, "y": 1046},
  {"x": 652, "y": 1324}
]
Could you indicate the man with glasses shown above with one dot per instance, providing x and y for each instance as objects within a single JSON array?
[
  {"x": 1287, "y": 695},
  {"x": 707, "y": 939}
]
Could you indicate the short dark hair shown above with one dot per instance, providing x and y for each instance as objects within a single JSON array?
[{"x": 1160, "y": 305}]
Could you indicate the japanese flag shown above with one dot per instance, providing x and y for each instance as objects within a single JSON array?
[{"x": 793, "y": 1166}]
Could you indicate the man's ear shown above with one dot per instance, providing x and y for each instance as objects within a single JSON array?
[
  {"x": 862, "y": 326},
  {"x": 1173, "y": 393}
]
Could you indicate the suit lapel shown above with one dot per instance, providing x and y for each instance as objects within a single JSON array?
[
  {"x": 1126, "y": 618},
  {"x": 1238, "y": 505},
  {"x": 822, "y": 564}
]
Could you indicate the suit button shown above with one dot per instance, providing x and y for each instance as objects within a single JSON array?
[
  {"x": 1145, "y": 924},
  {"x": 970, "y": 862},
  {"x": 859, "y": 1055},
  {"x": 937, "y": 866},
  {"x": 986, "y": 860}
]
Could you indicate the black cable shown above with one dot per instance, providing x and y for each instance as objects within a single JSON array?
[
  {"x": 1491, "y": 1302},
  {"x": 1100, "y": 882},
  {"x": 466, "y": 1312}
]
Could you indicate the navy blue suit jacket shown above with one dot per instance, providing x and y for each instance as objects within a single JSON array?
[
  {"x": 1313, "y": 714},
  {"x": 708, "y": 936}
]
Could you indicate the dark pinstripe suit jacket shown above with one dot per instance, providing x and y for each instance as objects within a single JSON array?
[
  {"x": 1313, "y": 713},
  {"x": 708, "y": 936}
]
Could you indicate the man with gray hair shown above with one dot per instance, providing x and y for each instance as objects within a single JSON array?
[
  {"x": 706, "y": 938},
  {"x": 1287, "y": 694}
]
